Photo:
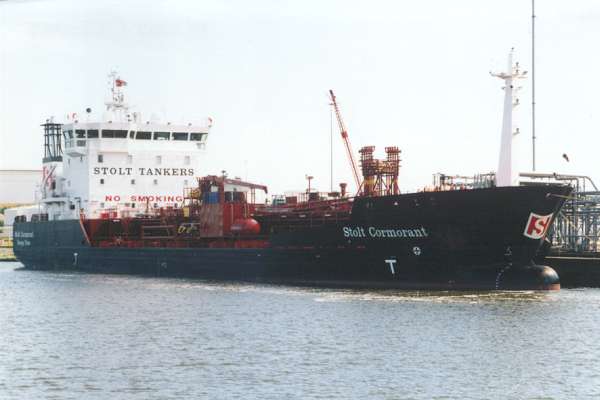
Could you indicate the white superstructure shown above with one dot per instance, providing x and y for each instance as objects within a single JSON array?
[{"x": 120, "y": 166}]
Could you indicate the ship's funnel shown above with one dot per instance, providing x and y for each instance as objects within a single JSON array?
[{"x": 507, "y": 174}]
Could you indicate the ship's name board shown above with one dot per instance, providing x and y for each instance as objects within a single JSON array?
[
  {"x": 127, "y": 171},
  {"x": 23, "y": 235},
  {"x": 373, "y": 232},
  {"x": 21, "y": 238}
]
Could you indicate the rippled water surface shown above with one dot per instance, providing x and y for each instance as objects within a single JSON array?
[{"x": 68, "y": 335}]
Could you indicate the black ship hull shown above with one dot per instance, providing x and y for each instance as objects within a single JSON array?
[{"x": 472, "y": 239}]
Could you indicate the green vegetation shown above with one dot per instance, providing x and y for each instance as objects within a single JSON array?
[{"x": 4, "y": 206}]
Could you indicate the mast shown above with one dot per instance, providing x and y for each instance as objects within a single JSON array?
[
  {"x": 116, "y": 103},
  {"x": 507, "y": 174}
]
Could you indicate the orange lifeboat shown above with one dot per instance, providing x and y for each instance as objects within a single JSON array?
[{"x": 245, "y": 226}]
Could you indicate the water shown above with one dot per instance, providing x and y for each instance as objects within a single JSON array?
[{"x": 77, "y": 336}]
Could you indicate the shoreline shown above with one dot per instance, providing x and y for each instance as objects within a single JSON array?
[{"x": 7, "y": 255}]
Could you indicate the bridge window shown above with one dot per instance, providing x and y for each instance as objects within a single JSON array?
[
  {"x": 180, "y": 136},
  {"x": 112, "y": 133},
  {"x": 131, "y": 134},
  {"x": 158, "y": 160},
  {"x": 144, "y": 136},
  {"x": 92, "y": 133},
  {"x": 69, "y": 134},
  {"x": 100, "y": 158},
  {"x": 102, "y": 181},
  {"x": 80, "y": 133},
  {"x": 197, "y": 136},
  {"x": 161, "y": 135}
]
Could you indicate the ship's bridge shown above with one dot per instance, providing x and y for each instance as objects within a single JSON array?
[
  {"x": 120, "y": 165},
  {"x": 119, "y": 136}
]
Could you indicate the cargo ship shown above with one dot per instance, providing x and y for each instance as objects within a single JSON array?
[{"x": 126, "y": 195}]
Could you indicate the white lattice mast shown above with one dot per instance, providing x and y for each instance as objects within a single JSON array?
[{"x": 508, "y": 173}]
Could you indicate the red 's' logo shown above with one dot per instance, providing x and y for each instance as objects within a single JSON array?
[{"x": 537, "y": 226}]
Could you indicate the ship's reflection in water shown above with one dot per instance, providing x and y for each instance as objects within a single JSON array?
[{"x": 68, "y": 335}]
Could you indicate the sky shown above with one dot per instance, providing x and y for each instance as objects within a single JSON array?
[{"x": 414, "y": 74}]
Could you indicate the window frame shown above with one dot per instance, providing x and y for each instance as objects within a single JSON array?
[
  {"x": 143, "y": 135},
  {"x": 94, "y": 135},
  {"x": 179, "y": 135},
  {"x": 161, "y": 135},
  {"x": 198, "y": 135}
]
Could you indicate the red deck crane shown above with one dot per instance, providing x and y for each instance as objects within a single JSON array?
[{"x": 344, "y": 133}]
